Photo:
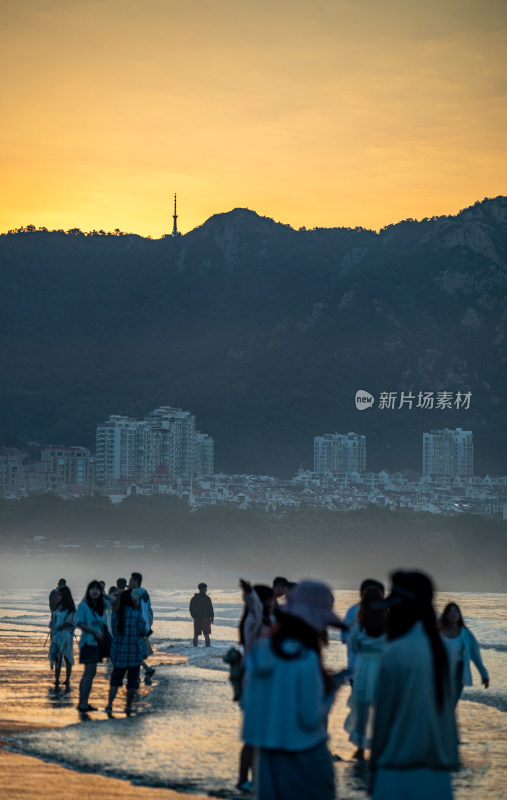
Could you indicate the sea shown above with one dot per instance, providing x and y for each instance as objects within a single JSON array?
[{"x": 185, "y": 733}]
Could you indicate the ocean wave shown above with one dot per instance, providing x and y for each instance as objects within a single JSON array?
[
  {"x": 490, "y": 699},
  {"x": 152, "y": 781},
  {"x": 25, "y": 622},
  {"x": 500, "y": 648}
]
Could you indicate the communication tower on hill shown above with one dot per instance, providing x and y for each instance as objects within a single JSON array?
[{"x": 175, "y": 218}]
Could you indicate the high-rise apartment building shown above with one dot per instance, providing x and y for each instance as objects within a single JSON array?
[
  {"x": 70, "y": 466},
  {"x": 176, "y": 440},
  {"x": 204, "y": 454},
  {"x": 123, "y": 450},
  {"x": 133, "y": 450},
  {"x": 448, "y": 454},
  {"x": 339, "y": 453}
]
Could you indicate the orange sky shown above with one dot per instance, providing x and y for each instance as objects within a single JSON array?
[{"x": 313, "y": 112}]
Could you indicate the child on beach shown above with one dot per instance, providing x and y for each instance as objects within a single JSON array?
[{"x": 62, "y": 634}]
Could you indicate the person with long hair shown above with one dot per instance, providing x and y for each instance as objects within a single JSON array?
[
  {"x": 91, "y": 619},
  {"x": 288, "y": 694},
  {"x": 62, "y": 634},
  {"x": 367, "y": 640},
  {"x": 414, "y": 745},
  {"x": 351, "y": 617},
  {"x": 127, "y": 649},
  {"x": 256, "y": 622},
  {"x": 462, "y": 647}
]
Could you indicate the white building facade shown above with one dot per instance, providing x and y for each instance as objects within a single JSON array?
[
  {"x": 448, "y": 453},
  {"x": 130, "y": 450},
  {"x": 339, "y": 453}
]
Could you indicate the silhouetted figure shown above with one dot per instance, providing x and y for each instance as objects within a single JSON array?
[
  {"x": 201, "y": 611},
  {"x": 280, "y": 588},
  {"x": 53, "y": 593}
]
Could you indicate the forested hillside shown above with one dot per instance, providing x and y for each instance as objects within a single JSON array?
[{"x": 262, "y": 331}]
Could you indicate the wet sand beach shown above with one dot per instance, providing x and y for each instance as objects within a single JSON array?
[
  {"x": 184, "y": 738},
  {"x": 27, "y": 778}
]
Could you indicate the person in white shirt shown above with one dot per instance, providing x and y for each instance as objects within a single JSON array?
[
  {"x": 62, "y": 634},
  {"x": 462, "y": 647}
]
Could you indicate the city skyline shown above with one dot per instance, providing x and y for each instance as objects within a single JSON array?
[
  {"x": 167, "y": 444},
  {"x": 333, "y": 115}
]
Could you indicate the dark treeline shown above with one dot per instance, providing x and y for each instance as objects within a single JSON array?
[
  {"x": 71, "y": 232},
  {"x": 463, "y": 553}
]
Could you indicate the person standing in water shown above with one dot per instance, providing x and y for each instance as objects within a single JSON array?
[
  {"x": 201, "y": 611},
  {"x": 62, "y": 634},
  {"x": 91, "y": 618},
  {"x": 143, "y": 597},
  {"x": 127, "y": 649},
  {"x": 367, "y": 639},
  {"x": 256, "y": 623},
  {"x": 53, "y": 602},
  {"x": 414, "y": 744},
  {"x": 288, "y": 694},
  {"x": 462, "y": 647},
  {"x": 351, "y": 616}
]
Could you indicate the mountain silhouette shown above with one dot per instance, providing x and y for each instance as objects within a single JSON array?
[{"x": 262, "y": 331}]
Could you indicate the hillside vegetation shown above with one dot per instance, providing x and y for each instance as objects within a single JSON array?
[{"x": 262, "y": 331}]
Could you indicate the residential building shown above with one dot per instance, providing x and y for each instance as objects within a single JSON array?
[
  {"x": 11, "y": 468},
  {"x": 175, "y": 434},
  {"x": 339, "y": 453},
  {"x": 204, "y": 455},
  {"x": 124, "y": 450},
  {"x": 70, "y": 466},
  {"x": 448, "y": 454},
  {"x": 163, "y": 445}
]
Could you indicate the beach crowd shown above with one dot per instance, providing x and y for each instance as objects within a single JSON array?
[{"x": 406, "y": 670}]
